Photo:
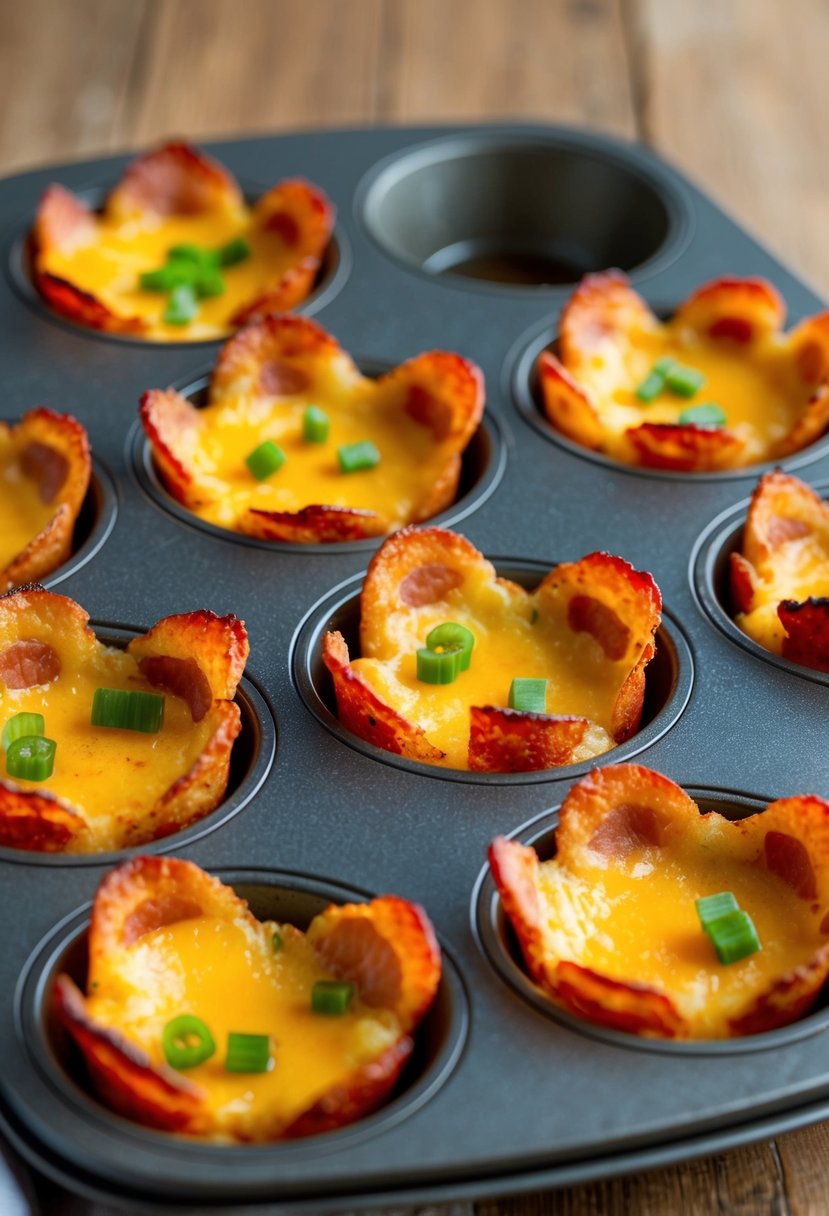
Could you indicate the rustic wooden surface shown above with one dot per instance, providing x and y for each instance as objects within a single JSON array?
[{"x": 734, "y": 92}]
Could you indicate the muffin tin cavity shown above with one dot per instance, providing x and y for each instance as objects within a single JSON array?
[
  {"x": 251, "y": 760},
  {"x": 499, "y": 944},
  {"x": 669, "y": 677},
  {"x": 521, "y": 214},
  {"x": 333, "y": 273},
  {"x": 522, "y": 379},
  {"x": 482, "y": 467},
  {"x": 52, "y": 1095},
  {"x": 710, "y": 582}
]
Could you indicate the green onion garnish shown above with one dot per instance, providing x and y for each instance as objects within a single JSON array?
[
  {"x": 196, "y": 254},
  {"x": 354, "y": 457},
  {"x": 176, "y": 274},
  {"x": 127, "y": 710},
  {"x": 684, "y": 381},
  {"x": 712, "y": 907},
  {"x": 331, "y": 997},
  {"x": 438, "y": 667},
  {"x": 265, "y": 460},
  {"x": 733, "y": 936},
  {"x": 277, "y": 942},
  {"x": 31, "y": 757},
  {"x": 315, "y": 424},
  {"x": 709, "y": 415},
  {"x": 182, "y": 305},
  {"x": 187, "y": 1041},
  {"x": 248, "y": 1052},
  {"x": 651, "y": 386},
  {"x": 234, "y": 251},
  {"x": 209, "y": 282},
  {"x": 21, "y": 725},
  {"x": 528, "y": 695},
  {"x": 452, "y": 636}
]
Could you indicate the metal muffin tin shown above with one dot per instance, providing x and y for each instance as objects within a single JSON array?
[{"x": 503, "y": 1096}]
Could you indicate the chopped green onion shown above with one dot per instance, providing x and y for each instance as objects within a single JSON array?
[
  {"x": 315, "y": 424},
  {"x": 265, "y": 460},
  {"x": 664, "y": 365},
  {"x": 234, "y": 251},
  {"x": 182, "y": 305},
  {"x": 196, "y": 254},
  {"x": 20, "y": 725},
  {"x": 684, "y": 381},
  {"x": 331, "y": 997},
  {"x": 709, "y": 415},
  {"x": 276, "y": 942},
  {"x": 354, "y": 457},
  {"x": 247, "y": 1052},
  {"x": 209, "y": 283},
  {"x": 174, "y": 274},
  {"x": 528, "y": 695},
  {"x": 438, "y": 667},
  {"x": 733, "y": 936},
  {"x": 123, "y": 709},
  {"x": 31, "y": 757},
  {"x": 187, "y": 1041},
  {"x": 651, "y": 386},
  {"x": 452, "y": 636},
  {"x": 712, "y": 907}
]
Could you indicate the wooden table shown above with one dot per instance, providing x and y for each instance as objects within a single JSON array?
[{"x": 734, "y": 92}]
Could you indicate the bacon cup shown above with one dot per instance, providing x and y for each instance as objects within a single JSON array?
[
  {"x": 609, "y": 926},
  {"x": 166, "y": 937},
  {"x": 584, "y": 637},
  {"x": 118, "y": 784},
  {"x": 178, "y": 214},
  {"x": 780, "y": 578},
  {"x": 45, "y": 466},
  {"x": 286, "y": 385},
  {"x": 718, "y": 386}
]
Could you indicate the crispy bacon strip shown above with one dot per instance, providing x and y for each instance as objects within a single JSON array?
[
  {"x": 387, "y": 948},
  {"x": 784, "y": 511},
  {"x": 284, "y": 356},
  {"x": 54, "y": 453},
  {"x": 417, "y": 567},
  {"x": 615, "y": 812},
  {"x": 196, "y": 655},
  {"x": 604, "y": 316},
  {"x": 178, "y": 179}
]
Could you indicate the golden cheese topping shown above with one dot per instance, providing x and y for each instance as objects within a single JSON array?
[
  {"x": 111, "y": 776},
  {"x": 311, "y": 474},
  {"x": 799, "y": 569},
  {"x": 756, "y": 386},
  {"x": 22, "y": 511},
  {"x": 636, "y": 921},
  {"x": 126, "y": 248},
  {"x": 511, "y": 640},
  {"x": 227, "y": 973}
]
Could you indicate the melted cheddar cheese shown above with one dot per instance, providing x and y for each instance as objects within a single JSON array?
[
  {"x": 23, "y": 512},
  {"x": 756, "y": 386},
  {"x": 111, "y": 777},
  {"x": 511, "y": 640},
  {"x": 636, "y": 921},
  {"x": 798, "y": 569},
  {"x": 231, "y": 430},
  {"x": 123, "y": 249},
  {"x": 227, "y": 973}
]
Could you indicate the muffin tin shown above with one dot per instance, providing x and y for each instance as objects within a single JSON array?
[{"x": 467, "y": 240}]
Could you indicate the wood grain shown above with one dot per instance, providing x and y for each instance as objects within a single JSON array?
[
  {"x": 468, "y": 60},
  {"x": 736, "y": 94}
]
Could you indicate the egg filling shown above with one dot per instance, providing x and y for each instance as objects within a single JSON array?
[
  {"x": 22, "y": 509},
  {"x": 123, "y": 249},
  {"x": 228, "y": 973}
]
